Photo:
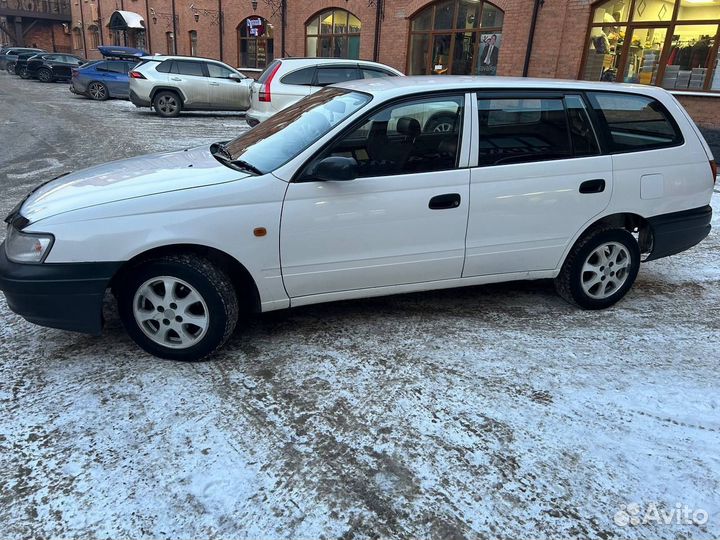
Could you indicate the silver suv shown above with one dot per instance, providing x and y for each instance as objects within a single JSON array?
[
  {"x": 171, "y": 84},
  {"x": 288, "y": 80}
]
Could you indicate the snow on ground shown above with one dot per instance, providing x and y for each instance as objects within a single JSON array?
[{"x": 487, "y": 412}]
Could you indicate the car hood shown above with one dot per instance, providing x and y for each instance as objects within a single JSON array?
[{"x": 127, "y": 179}]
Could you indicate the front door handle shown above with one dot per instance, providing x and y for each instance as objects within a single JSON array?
[
  {"x": 214, "y": 84},
  {"x": 593, "y": 186},
  {"x": 444, "y": 202}
]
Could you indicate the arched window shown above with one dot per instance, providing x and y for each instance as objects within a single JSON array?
[
  {"x": 455, "y": 37},
  {"x": 193, "y": 43},
  {"x": 94, "y": 36},
  {"x": 76, "y": 38},
  {"x": 333, "y": 34},
  {"x": 255, "y": 43},
  {"x": 668, "y": 44}
]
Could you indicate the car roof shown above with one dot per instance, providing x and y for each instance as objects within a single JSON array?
[
  {"x": 162, "y": 57},
  {"x": 313, "y": 60},
  {"x": 396, "y": 86}
]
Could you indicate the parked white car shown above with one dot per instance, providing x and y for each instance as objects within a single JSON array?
[
  {"x": 347, "y": 195},
  {"x": 288, "y": 80}
]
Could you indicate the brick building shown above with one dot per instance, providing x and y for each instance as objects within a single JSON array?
[{"x": 672, "y": 43}]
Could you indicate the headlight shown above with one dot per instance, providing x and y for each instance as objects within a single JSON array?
[{"x": 27, "y": 247}]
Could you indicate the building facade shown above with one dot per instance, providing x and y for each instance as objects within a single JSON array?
[{"x": 670, "y": 43}]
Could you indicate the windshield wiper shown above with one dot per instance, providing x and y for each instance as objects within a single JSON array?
[
  {"x": 221, "y": 152},
  {"x": 221, "y": 148},
  {"x": 246, "y": 166}
]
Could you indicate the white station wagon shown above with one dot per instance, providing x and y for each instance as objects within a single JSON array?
[{"x": 354, "y": 192}]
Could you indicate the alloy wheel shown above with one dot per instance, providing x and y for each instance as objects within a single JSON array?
[
  {"x": 171, "y": 312},
  {"x": 96, "y": 91},
  {"x": 605, "y": 270},
  {"x": 167, "y": 104}
]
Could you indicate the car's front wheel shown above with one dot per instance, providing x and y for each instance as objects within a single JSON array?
[
  {"x": 10, "y": 68},
  {"x": 600, "y": 269},
  {"x": 97, "y": 91},
  {"x": 45, "y": 75},
  {"x": 24, "y": 74},
  {"x": 178, "y": 307},
  {"x": 167, "y": 104}
]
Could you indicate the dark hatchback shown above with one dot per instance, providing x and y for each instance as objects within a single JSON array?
[{"x": 52, "y": 67}]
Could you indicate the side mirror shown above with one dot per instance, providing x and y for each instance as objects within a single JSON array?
[
  {"x": 334, "y": 169},
  {"x": 235, "y": 77}
]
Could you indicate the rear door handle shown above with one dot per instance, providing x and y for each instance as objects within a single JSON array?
[
  {"x": 593, "y": 186},
  {"x": 444, "y": 202},
  {"x": 175, "y": 79},
  {"x": 214, "y": 84}
]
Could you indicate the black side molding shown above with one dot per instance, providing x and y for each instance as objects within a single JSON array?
[{"x": 678, "y": 231}]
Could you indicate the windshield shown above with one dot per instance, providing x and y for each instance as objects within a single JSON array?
[{"x": 280, "y": 138}]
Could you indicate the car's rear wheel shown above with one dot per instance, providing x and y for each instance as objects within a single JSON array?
[
  {"x": 44, "y": 75},
  {"x": 167, "y": 103},
  {"x": 178, "y": 307},
  {"x": 24, "y": 74},
  {"x": 97, "y": 91},
  {"x": 10, "y": 67},
  {"x": 600, "y": 269}
]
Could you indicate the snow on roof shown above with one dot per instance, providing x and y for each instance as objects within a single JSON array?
[{"x": 132, "y": 20}]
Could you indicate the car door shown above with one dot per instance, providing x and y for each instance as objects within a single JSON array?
[
  {"x": 540, "y": 179},
  {"x": 61, "y": 66},
  {"x": 117, "y": 78},
  {"x": 402, "y": 220},
  {"x": 226, "y": 93},
  {"x": 190, "y": 77}
]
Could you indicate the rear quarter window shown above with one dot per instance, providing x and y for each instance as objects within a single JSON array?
[{"x": 633, "y": 122}]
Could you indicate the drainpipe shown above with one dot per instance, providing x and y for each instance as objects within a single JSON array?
[
  {"x": 531, "y": 36},
  {"x": 283, "y": 26},
  {"x": 379, "y": 16},
  {"x": 221, "y": 30},
  {"x": 147, "y": 23},
  {"x": 100, "y": 24},
  {"x": 175, "y": 36},
  {"x": 82, "y": 22}
]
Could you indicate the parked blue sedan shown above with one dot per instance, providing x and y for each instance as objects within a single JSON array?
[{"x": 103, "y": 79}]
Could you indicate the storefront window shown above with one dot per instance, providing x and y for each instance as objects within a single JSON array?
[
  {"x": 255, "y": 43},
  {"x": 459, "y": 37},
  {"x": 645, "y": 42},
  {"x": 333, "y": 34}
]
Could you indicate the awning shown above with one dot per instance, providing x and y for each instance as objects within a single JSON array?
[{"x": 125, "y": 20}]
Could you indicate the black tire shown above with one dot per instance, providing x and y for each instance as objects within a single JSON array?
[
  {"x": 212, "y": 285},
  {"x": 45, "y": 75},
  {"x": 97, "y": 91},
  {"x": 167, "y": 103},
  {"x": 24, "y": 74},
  {"x": 10, "y": 68},
  {"x": 572, "y": 281},
  {"x": 442, "y": 123}
]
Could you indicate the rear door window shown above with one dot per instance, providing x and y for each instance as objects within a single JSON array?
[
  {"x": 101, "y": 66},
  {"x": 186, "y": 67},
  {"x": 117, "y": 67},
  {"x": 633, "y": 122},
  {"x": 303, "y": 77},
  {"x": 522, "y": 130},
  {"x": 337, "y": 74},
  {"x": 582, "y": 133}
]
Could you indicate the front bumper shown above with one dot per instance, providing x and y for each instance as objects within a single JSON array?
[
  {"x": 67, "y": 296},
  {"x": 138, "y": 101},
  {"x": 676, "y": 232}
]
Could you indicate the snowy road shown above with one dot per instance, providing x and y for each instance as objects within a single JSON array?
[{"x": 489, "y": 412}]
